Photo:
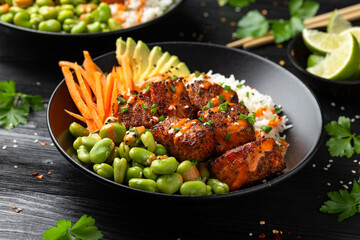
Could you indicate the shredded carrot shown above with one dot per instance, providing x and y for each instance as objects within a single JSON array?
[
  {"x": 108, "y": 93},
  {"x": 99, "y": 96},
  {"x": 274, "y": 121},
  {"x": 77, "y": 116}
]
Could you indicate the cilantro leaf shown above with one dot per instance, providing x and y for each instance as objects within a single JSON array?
[
  {"x": 236, "y": 3},
  {"x": 15, "y": 106},
  {"x": 253, "y": 24},
  {"x": 83, "y": 229},
  {"x": 303, "y": 9},
  {"x": 343, "y": 202},
  {"x": 340, "y": 143}
]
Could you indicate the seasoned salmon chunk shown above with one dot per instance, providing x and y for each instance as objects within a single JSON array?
[
  {"x": 185, "y": 139},
  {"x": 248, "y": 163},
  {"x": 230, "y": 130}
]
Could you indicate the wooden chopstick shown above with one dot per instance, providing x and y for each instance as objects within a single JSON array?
[{"x": 349, "y": 13}]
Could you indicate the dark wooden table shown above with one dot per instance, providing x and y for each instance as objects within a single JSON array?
[{"x": 291, "y": 207}]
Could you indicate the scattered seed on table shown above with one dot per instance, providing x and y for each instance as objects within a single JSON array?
[
  {"x": 264, "y": 12},
  {"x": 352, "y": 120},
  {"x": 282, "y": 62},
  {"x": 35, "y": 134},
  {"x": 15, "y": 146},
  {"x": 14, "y": 141},
  {"x": 18, "y": 210},
  {"x": 328, "y": 166},
  {"x": 314, "y": 165},
  {"x": 51, "y": 144},
  {"x": 250, "y": 234},
  {"x": 329, "y": 184},
  {"x": 333, "y": 104},
  {"x": 14, "y": 207},
  {"x": 330, "y": 160},
  {"x": 326, "y": 169},
  {"x": 357, "y": 116},
  {"x": 262, "y": 222},
  {"x": 275, "y": 231},
  {"x": 38, "y": 83},
  {"x": 355, "y": 160},
  {"x": 16, "y": 166},
  {"x": 232, "y": 24},
  {"x": 341, "y": 182},
  {"x": 4, "y": 147},
  {"x": 35, "y": 173},
  {"x": 237, "y": 9},
  {"x": 36, "y": 141},
  {"x": 342, "y": 108},
  {"x": 349, "y": 183},
  {"x": 40, "y": 176},
  {"x": 345, "y": 186},
  {"x": 43, "y": 143},
  {"x": 205, "y": 14},
  {"x": 49, "y": 172},
  {"x": 279, "y": 46},
  {"x": 353, "y": 171}
]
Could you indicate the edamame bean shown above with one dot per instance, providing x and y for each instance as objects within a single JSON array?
[
  {"x": 120, "y": 167},
  {"x": 67, "y": 7},
  {"x": 77, "y": 143},
  {"x": 135, "y": 164},
  {"x": 14, "y": 10},
  {"x": 48, "y": 12},
  {"x": 83, "y": 154},
  {"x": 22, "y": 19},
  {"x": 94, "y": 27},
  {"x": 4, "y": 8},
  {"x": 67, "y": 2},
  {"x": 79, "y": 27},
  {"x": 7, "y": 17},
  {"x": 188, "y": 171},
  {"x": 102, "y": 13},
  {"x": 89, "y": 142},
  {"x": 193, "y": 188},
  {"x": 141, "y": 155},
  {"x": 114, "y": 154},
  {"x": 164, "y": 166},
  {"x": 133, "y": 172},
  {"x": 77, "y": 2},
  {"x": 50, "y": 25},
  {"x": 169, "y": 183},
  {"x": 64, "y": 14},
  {"x": 35, "y": 20},
  {"x": 124, "y": 151},
  {"x": 148, "y": 173},
  {"x": 143, "y": 184},
  {"x": 77, "y": 130},
  {"x": 104, "y": 170},
  {"x": 105, "y": 27},
  {"x": 114, "y": 25},
  {"x": 101, "y": 150},
  {"x": 160, "y": 150},
  {"x": 32, "y": 10},
  {"x": 68, "y": 24},
  {"x": 217, "y": 186},
  {"x": 114, "y": 131},
  {"x": 41, "y": 3},
  {"x": 148, "y": 140}
]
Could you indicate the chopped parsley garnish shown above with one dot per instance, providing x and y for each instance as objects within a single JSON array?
[
  {"x": 199, "y": 91},
  {"x": 209, "y": 123},
  {"x": 175, "y": 77},
  {"x": 135, "y": 131},
  {"x": 195, "y": 162},
  {"x": 221, "y": 84},
  {"x": 204, "y": 108},
  {"x": 177, "y": 129},
  {"x": 121, "y": 100},
  {"x": 242, "y": 102},
  {"x": 153, "y": 106},
  {"x": 201, "y": 120},
  {"x": 227, "y": 137},
  {"x": 250, "y": 117},
  {"x": 16, "y": 106},
  {"x": 339, "y": 144},
  {"x": 197, "y": 73},
  {"x": 172, "y": 88},
  {"x": 162, "y": 118},
  {"x": 221, "y": 98},
  {"x": 144, "y": 106},
  {"x": 228, "y": 88},
  {"x": 247, "y": 94},
  {"x": 266, "y": 129},
  {"x": 83, "y": 229},
  {"x": 343, "y": 203},
  {"x": 124, "y": 109},
  {"x": 223, "y": 107},
  {"x": 239, "y": 86},
  {"x": 96, "y": 131},
  {"x": 203, "y": 75},
  {"x": 147, "y": 87},
  {"x": 153, "y": 111},
  {"x": 210, "y": 104},
  {"x": 277, "y": 109}
]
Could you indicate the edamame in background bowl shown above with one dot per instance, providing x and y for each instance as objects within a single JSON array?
[{"x": 81, "y": 18}]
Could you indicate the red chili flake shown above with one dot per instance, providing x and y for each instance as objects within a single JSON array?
[
  {"x": 40, "y": 176},
  {"x": 275, "y": 3},
  {"x": 203, "y": 4},
  {"x": 276, "y": 236},
  {"x": 292, "y": 53},
  {"x": 35, "y": 173},
  {"x": 286, "y": 2},
  {"x": 232, "y": 24},
  {"x": 49, "y": 172},
  {"x": 264, "y": 12},
  {"x": 279, "y": 46},
  {"x": 262, "y": 235},
  {"x": 16, "y": 166},
  {"x": 43, "y": 143},
  {"x": 18, "y": 210},
  {"x": 14, "y": 207}
]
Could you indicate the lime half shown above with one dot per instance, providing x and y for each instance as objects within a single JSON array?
[
  {"x": 321, "y": 42},
  {"x": 342, "y": 63},
  {"x": 354, "y": 30},
  {"x": 314, "y": 59},
  {"x": 337, "y": 24}
]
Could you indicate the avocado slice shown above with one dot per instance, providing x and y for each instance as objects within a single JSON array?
[
  {"x": 130, "y": 48},
  {"x": 141, "y": 60},
  {"x": 160, "y": 63},
  {"x": 170, "y": 64},
  {"x": 180, "y": 70},
  {"x": 120, "y": 48},
  {"x": 154, "y": 56}
]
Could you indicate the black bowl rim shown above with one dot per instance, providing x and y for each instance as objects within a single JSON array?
[
  {"x": 81, "y": 35},
  {"x": 290, "y": 47},
  {"x": 251, "y": 189}
]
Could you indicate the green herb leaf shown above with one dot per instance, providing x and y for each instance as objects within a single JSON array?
[
  {"x": 253, "y": 24},
  {"x": 303, "y": 9},
  {"x": 343, "y": 202},
  {"x": 83, "y": 229},
  {"x": 11, "y": 117},
  {"x": 34, "y": 103},
  {"x": 236, "y": 3},
  {"x": 7, "y": 93},
  {"x": 340, "y": 142}
]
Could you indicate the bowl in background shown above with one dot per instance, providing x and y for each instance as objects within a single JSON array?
[
  {"x": 298, "y": 55},
  {"x": 268, "y": 78}
]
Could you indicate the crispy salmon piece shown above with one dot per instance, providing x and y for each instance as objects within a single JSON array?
[
  {"x": 230, "y": 130},
  {"x": 202, "y": 91},
  {"x": 172, "y": 99},
  {"x": 185, "y": 139},
  {"x": 248, "y": 163}
]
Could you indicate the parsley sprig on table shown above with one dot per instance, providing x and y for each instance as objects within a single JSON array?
[
  {"x": 15, "y": 106},
  {"x": 236, "y": 3},
  {"x": 254, "y": 24},
  {"x": 343, "y": 202},
  {"x": 83, "y": 229},
  {"x": 340, "y": 143}
]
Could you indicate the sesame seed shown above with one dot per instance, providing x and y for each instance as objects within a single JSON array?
[
  {"x": 275, "y": 231},
  {"x": 262, "y": 222},
  {"x": 264, "y": 12},
  {"x": 264, "y": 180},
  {"x": 345, "y": 186},
  {"x": 15, "y": 146},
  {"x": 250, "y": 234},
  {"x": 205, "y": 14},
  {"x": 51, "y": 144},
  {"x": 282, "y": 62},
  {"x": 38, "y": 83},
  {"x": 314, "y": 165},
  {"x": 14, "y": 141},
  {"x": 329, "y": 184},
  {"x": 353, "y": 171},
  {"x": 357, "y": 116},
  {"x": 355, "y": 161},
  {"x": 328, "y": 166},
  {"x": 36, "y": 141},
  {"x": 352, "y": 120},
  {"x": 341, "y": 182},
  {"x": 237, "y": 9},
  {"x": 333, "y": 104},
  {"x": 4, "y": 147},
  {"x": 349, "y": 183},
  {"x": 325, "y": 169},
  {"x": 35, "y": 134},
  {"x": 342, "y": 108},
  {"x": 330, "y": 160}
]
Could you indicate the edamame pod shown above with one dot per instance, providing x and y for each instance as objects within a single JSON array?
[
  {"x": 77, "y": 143},
  {"x": 120, "y": 167},
  {"x": 160, "y": 150},
  {"x": 50, "y": 25},
  {"x": 169, "y": 183},
  {"x": 89, "y": 142},
  {"x": 164, "y": 166},
  {"x": 124, "y": 151},
  {"x": 104, "y": 170},
  {"x": 133, "y": 172},
  {"x": 193, "y": 188},
  {"x": 148, "y": 140},
  {"x": 217, "y": 186},
  {"x": 7, "y": 17},
  {"x": 77, "y": 130},
  {"x": 114, "y": 131},
  {"x": 101, "y": 150},
  {"x": 80, "y": 27},
  {"x": 114, "y": 154},
  {"x": 141, "y": 155},
  {"x": 188, "y": 171},
  {"x": 149, "y": 174},
  {"x": 143, "y": 184},
  {"x": 22, "y": 19}
]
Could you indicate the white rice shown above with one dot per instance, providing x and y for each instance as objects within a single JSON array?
[
  {"x": 151, "y": 10},
  {"x": 254, "y": 100}
]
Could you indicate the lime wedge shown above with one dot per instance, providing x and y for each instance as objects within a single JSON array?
[
  {"x": 314, "y": 59},
  {"x": 354, "y": 30},
  {"x": 342, "y": 63},
  {"x": 321, "y": 42},
  {"x": 337, "y": 24}
]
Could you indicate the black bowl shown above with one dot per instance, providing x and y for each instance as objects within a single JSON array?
[
  {"x": 298, "y": 54},
  {"x": 264, "y": 75}
]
